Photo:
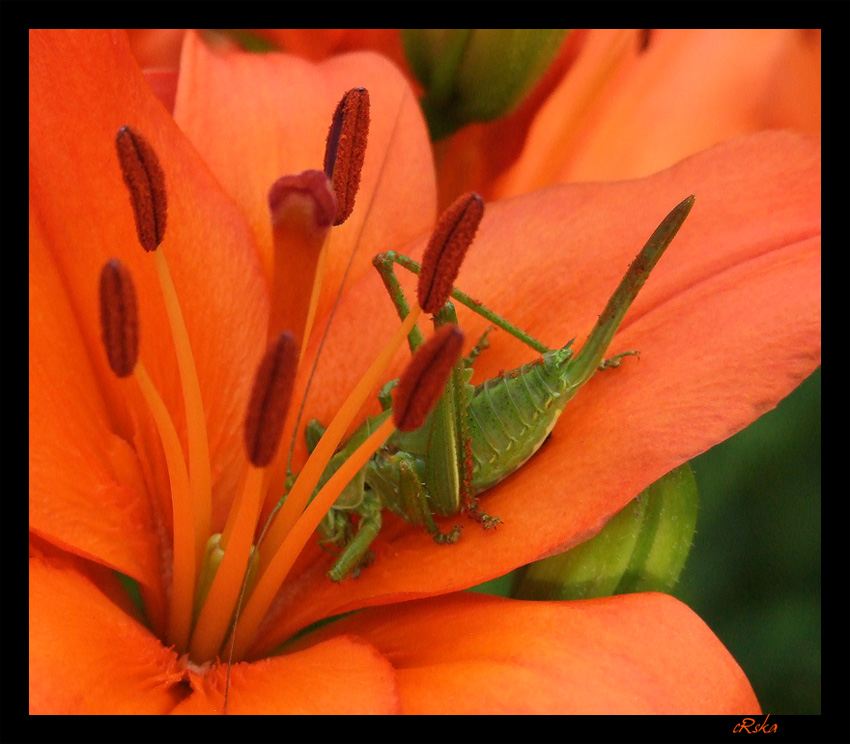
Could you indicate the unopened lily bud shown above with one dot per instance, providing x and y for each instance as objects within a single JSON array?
[
  {"x": 641, "y": 549},
  {"x": 477, "y": 74}
]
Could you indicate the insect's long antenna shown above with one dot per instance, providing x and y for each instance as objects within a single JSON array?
[
  {"x": 335, "y": 305},
  {"x": 588, "y": 359}
]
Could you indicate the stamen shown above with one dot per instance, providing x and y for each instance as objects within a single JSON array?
[
  {"x": 120, "y": 326},
  {"x": 263, "y": 429},
  {"x": 270, "y": 400},
  {"x": 291, "y": 520},
  {"x": 183, "y": 515},
  {"x": 302, "y": 210},
  {"x": 119, "y": 317},
  {"x": 302, "y": 530},
  {"x": 345, "y": 150},
  {"x": 441, "y": 262},
  {"x": 424, "y": 379},
  {"x": 146, "y": 183}
]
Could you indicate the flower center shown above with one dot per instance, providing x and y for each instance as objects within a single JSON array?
[{"x": 213, "y": 574}]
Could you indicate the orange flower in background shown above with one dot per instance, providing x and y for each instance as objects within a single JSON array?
[
  {"x": 613, "y": 104},
  {"x": 631, "y": 105},
  {"x": 722, "y": 339}
]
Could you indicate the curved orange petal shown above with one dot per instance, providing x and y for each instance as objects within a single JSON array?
[
  {"x": 343, "y": 675},
  {"x": 255, "y": 118},
  {"x": 77, "y": 612},
  {"x": 87, "y": 654},
  {"x": 630, "y": 654},
  {"x": 87, "y": 492},
  {"x": 728, "y": 324},
  {"x": 156, "y": 47},
  {"x": 621, "y": 113},
  {"x": 318, "y": 43},
  {"x": 85, "y": 85}
]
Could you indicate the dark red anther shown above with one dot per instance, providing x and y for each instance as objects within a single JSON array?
[
  {"x": 146, "y": 184},
  {"x": 270, "y": 400},
  {"x": 424, "y": 379},
  {"x": 345, "y": 150},
  {"x": 446, "y": 250},
  {"x": 119, "y": 318}
]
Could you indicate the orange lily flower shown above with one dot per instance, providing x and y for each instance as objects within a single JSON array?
[
  {"x": 728, "y": 325},
  {"x": 631, "y": 105},
  {"x": 614, "y": 104}
]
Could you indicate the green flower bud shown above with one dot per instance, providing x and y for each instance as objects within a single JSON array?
[
  {"x": 641, "y": 549},
  {"x": 476, "y": 74}
]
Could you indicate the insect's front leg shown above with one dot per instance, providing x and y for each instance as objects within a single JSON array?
[
  {"x": 399, "y": 477},
  {"x": 356, "y": 554},
  {"x": 336, "y": 529},
  {"x": 615, "y": 360}
]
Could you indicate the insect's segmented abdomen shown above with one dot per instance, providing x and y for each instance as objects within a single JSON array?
[{"x": 512, "y": 414}]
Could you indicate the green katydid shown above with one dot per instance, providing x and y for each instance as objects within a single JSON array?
[{"x": 476, "y": 436}]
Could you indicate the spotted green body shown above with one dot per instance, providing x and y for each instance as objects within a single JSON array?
[
  {"x": 512, "y": 415},
  {"x": 476, "y": 436}
]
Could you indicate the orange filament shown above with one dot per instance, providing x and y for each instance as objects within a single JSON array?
[
  {"x": 283, "y": 560},
  {"x": 119, "y": 320},
  {"x": 200, "y": 478},
  {"x": 185, "y": 559},
  {"x": 292, "y": 519},
  {"x": 309, "y": 476},
  {"x": 146, "y": 184},
  {"x": 345, "y": 149},
  {"x": 446, "y": 250},
  {"x": 220, "y": 602},
  {"x": 424, "y": 379},
  {"x": 266, "y": 414}
]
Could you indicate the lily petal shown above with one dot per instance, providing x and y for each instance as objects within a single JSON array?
[
  {"x": 77, "y": 665},
  {"x": 630, "y": 654},
  {"x": 620, "y": 113},
  {"x": 133, "y": 672},
  {"x": 342, "y": 675}
]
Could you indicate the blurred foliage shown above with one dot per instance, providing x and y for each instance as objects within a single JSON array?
[{"x": 754, "y": 574}]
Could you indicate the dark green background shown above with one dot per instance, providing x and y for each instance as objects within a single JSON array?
[{"x": 754, "y": 574}]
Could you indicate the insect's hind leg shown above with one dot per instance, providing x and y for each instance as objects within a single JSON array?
[{"x": 383, "y": 262}]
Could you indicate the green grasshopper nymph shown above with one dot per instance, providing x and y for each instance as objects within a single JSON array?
[{"x": 476, "y": 436}]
